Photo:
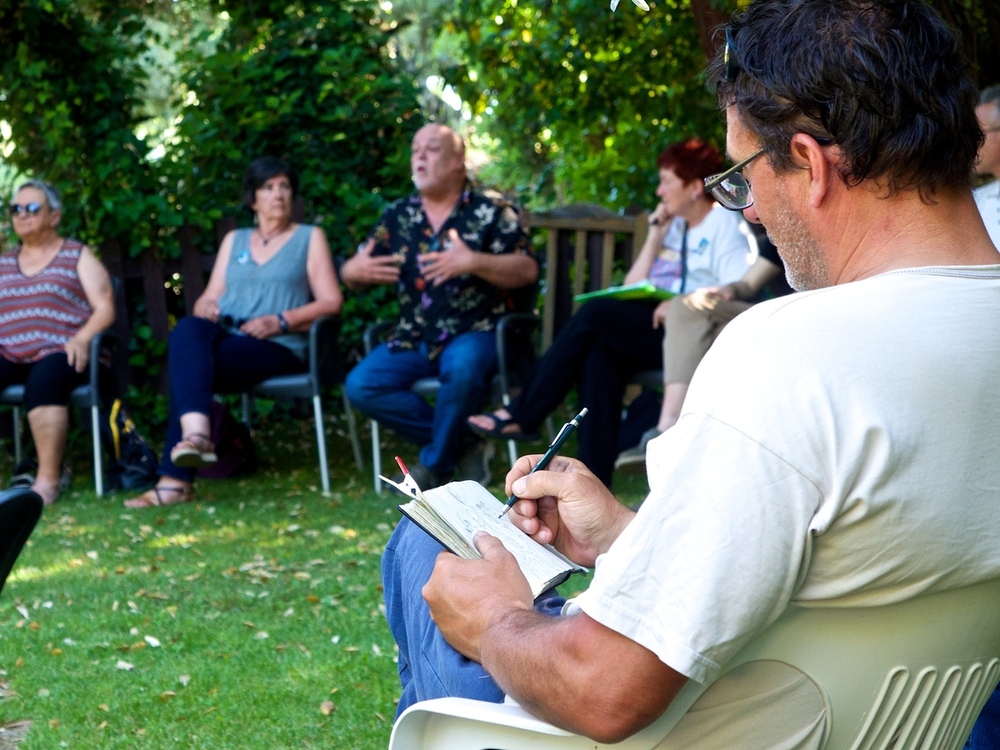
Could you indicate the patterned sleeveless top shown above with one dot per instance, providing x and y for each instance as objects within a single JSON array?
[{"x": 40, "y": 313}]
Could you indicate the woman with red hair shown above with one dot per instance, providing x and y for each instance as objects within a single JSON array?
[{"x": 692, "y": 243}]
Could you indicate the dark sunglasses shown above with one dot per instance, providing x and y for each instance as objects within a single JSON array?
[{"x": 24, "y": 208}]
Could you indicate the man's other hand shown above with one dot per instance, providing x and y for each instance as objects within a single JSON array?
[{"x": 466, "y": 596}]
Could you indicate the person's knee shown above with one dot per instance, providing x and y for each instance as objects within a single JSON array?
[
  {"x": 360, "y": 386},
  {"x": 682, "y": 311},
  {"x": 187, "y": 325},
  {"x": 188, "y": 329},
  {"x": 469, "y": 365}
]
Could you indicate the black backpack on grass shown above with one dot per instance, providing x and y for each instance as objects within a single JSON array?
[{"x": 131, "y": 462}]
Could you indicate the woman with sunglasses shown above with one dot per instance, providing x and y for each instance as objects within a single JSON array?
[
  {"x": 692, "y": 243},
  {"x": 55, "y": 296}
]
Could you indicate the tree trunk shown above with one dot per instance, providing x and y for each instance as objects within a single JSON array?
[{"x": 708, "y": 20}]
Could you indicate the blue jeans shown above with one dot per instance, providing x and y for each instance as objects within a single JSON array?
[
  {"x": 428, "y": 666},
  {"x": 986, "y": 731},
  {"x": 379, "y": 386},
  {"x": 204, "y": 358}
]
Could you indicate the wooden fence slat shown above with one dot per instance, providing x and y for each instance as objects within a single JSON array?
[{"x": 582, "y": 244}]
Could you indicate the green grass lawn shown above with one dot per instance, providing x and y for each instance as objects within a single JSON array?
[{"x": 251, "y": 618}]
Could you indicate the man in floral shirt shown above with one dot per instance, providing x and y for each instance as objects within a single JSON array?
[{"x": 452, "y": 252}]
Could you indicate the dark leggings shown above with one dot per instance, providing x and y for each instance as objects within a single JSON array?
[
  {"x": 204, "y": 358},
  {"x": 599, "y": 349},
  {"x": 47, "y": 382}
]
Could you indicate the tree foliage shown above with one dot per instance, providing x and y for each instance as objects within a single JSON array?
[
  {"x": 311, "y": 83},
  {"x": 573, "y": 102},
  {"x": 70, "y": 85},
  {"x": 577, "y": 100}
]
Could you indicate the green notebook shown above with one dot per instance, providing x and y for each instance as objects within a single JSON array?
[{"x": 640, "y": 290}]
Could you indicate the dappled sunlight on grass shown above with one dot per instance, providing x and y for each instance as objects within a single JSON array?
[{"x": 250, "y": 618}]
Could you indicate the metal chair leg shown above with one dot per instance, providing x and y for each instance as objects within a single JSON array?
[
  {"x": 352, "y": 429},
  {"x": 95, "y": 436},
  {"x": 376, "y": 456},
  {"x": 17, "y": 435},
  {"x": 245, "y": 407},
  {"x": 324, "y": 467}
]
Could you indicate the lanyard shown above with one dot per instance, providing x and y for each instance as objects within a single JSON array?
[{"x": 684, "y": 258}]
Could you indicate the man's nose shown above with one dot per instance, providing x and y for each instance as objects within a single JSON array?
[{"x": 750, "y": 213}]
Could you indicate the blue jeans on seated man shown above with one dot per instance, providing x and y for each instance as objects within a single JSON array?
[
  {"x": 379, "y": 386},
  {"x": 428, "y": 666},
  {"x": 986, "y": 731}
]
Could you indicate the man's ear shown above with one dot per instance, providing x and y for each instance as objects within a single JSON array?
[{"x": 807, "y": 154}]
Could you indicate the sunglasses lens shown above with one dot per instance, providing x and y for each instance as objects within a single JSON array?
[{"x": 26, "y": 208}]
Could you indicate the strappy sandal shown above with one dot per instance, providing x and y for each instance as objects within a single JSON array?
[
  {"x": 160, "y": 496},
  {"x": 193, "y": 452},
  {"x": 497, "y": 431}
]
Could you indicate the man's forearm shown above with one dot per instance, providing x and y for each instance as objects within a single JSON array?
[
  {"x": 510, "y": 271},
  {"x": 577, "y": 674}
]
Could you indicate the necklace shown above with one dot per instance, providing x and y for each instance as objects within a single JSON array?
[{"x": 265, "y": 239}]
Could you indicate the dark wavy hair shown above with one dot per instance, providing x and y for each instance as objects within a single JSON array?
[
  {"x": 885, "y": 80},
  {"x": 263, "y": 169},
  {"x": 691, "y": 159}
]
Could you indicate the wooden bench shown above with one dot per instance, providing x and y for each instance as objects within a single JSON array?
[{"x": 584, "y": 244}]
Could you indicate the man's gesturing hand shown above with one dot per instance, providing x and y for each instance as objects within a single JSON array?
[{"x": 365, "y": 269}]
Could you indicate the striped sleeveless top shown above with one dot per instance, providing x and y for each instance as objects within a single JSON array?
[{"x": 40, "y": 313}]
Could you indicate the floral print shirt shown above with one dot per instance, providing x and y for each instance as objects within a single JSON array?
[{"x": 435, "y": 314}]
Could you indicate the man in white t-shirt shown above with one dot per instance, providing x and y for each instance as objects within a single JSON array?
[
  {"x": 850, "y": 460},
  {"x": 988, "y": 162}
]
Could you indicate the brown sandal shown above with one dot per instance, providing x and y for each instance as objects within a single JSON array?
[
  {"x": 193, "y": 452},
  {"x": 160, "y": 496}
]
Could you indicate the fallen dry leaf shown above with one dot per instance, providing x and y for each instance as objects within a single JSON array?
[{"x": 326, "y": 708}]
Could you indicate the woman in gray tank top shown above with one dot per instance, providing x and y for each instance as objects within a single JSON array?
[{"x": 268, "y": 285}]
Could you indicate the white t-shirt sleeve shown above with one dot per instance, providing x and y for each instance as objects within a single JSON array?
[{"x": 710, "y": 559}]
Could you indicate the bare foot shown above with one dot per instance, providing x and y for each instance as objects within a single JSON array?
[
  {"x": 490, "y": 422},
  {"x": 163, "y": 494},
  {"x": 498, "y": 424},
  {"x": 49, "y": 491}
]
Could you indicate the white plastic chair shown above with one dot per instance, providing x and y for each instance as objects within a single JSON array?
[{"x": 906, "y": 676}]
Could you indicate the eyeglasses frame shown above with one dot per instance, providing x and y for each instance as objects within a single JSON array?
[{"x": 717, "y": 179}]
